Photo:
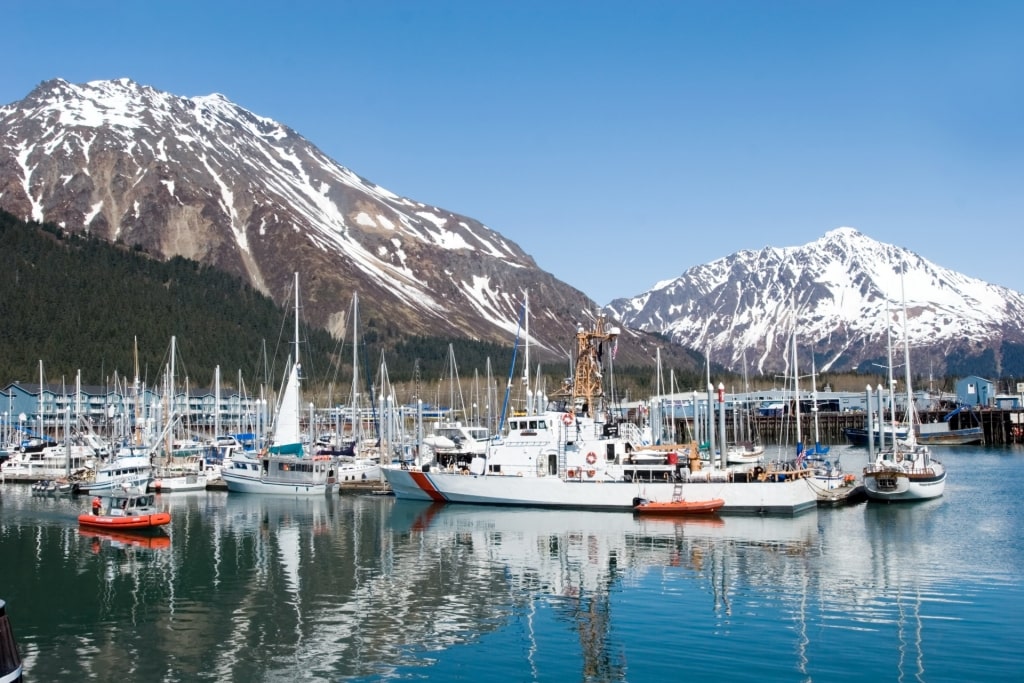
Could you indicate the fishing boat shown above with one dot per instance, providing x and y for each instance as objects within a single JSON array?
[
  {"x": 574, "y": 454},
  {"x": 285, "y": 465},
  {"x": 124, "y": 510},
  {"x": 944, "y": 433},
  {"x": 907, "y": 470},
  {"x": 130, "y": 467},
  {"x": 860, "y": 436},
  {"x": 190, "y": 474}
]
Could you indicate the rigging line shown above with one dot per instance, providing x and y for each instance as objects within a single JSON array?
[{"x": 512, "y": 368}]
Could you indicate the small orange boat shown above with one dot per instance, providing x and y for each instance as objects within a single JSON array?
[
  {"x": 677, "y": 507},
  {"x": 124, "y": 511}
]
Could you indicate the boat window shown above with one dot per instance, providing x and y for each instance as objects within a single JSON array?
[{"x": 533, "y": 424}]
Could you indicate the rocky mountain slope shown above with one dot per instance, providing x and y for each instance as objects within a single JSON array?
[
  {"x": 208, "y": 180},
  {"x": 837, "y": 294}
]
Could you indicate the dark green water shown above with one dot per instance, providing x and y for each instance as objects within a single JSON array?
[{"x": 251, "y": 588}]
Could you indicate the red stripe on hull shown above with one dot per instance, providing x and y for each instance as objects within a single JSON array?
[{"x": 423, "y": 481}]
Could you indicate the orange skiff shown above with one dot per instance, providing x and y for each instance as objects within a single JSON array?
[
  {"x": 678, "y": 507},
  {"x": 125, "y": 522},
  {"x": 124, "y": 510}
]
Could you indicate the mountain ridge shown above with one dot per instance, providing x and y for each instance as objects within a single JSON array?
[
  {"x": 206, "y": 179},
  {"x": 835, "y": 291}
]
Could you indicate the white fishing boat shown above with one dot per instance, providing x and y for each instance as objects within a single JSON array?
[
  {"x": 190, "y": 473},
  {"x": 573, "y": 456},
  {"x": 286, "y": 465},
  {"x": 906, "y": 470},
  {"x": 52, "y": 462},
  {"x": 128, "y": 469}
]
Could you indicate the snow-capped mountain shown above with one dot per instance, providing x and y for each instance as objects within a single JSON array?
[
  {"x": 208, "y": 180},
  {"x": 837, "y": 293}
]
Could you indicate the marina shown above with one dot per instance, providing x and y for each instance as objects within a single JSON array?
[{"x": 363, "y": 587}]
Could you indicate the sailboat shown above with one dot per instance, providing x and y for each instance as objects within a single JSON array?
[
  {"x": 906, "y": 470},
  {"x": 285, "y": 466},
  {"x": 355, "y": 466}
]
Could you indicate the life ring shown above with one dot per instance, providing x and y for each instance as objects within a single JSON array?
[
  {"x": 568, "y": 418},
  {"x": 591, "y": 473},
  {"x": 591, "y": 458}
]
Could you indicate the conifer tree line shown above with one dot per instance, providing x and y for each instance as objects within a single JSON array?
[{"x": 76, "y": 302}]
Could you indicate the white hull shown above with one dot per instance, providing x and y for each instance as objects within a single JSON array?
[
  {"x": 241, "y": 484},
  {"x": 185, "y": 482},
  {"x": 789, "y": 497},
  {"x": 129, "y": 471},
  {"x": 135, "y": 481},
  {"x": 360, "y": 470},
  {"x": 896, "y": 485}
]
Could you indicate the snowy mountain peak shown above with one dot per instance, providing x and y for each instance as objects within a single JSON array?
[
  {"x": 206, "y": 179},
  {"x": 837, "y": 293}
]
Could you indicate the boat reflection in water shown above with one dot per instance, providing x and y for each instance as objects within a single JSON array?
[
  {"x": 368, "y": 587},
  {"x": 125, "y": 539}
]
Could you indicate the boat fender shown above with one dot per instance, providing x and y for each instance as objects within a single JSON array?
[
  {"x": 568, "y": 418},
  {"x": 591, "y": 473},
  {"x": 591, "y": 458},
  {"x": 570, "y": 473}
]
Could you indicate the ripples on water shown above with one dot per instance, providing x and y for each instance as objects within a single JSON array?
[{"x": 251, "y": 588}]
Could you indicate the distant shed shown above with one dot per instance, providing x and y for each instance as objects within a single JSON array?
[{"x": 975, "y": 391}]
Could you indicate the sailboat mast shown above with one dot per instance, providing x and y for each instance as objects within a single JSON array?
[
  {"x": 526, "y": 347},
  {"x": 355, "y": 370},
  {"x": 796, "y": 392},
  {"x": 906, "y": 367},
  {"x": 892, "y": 385},
  {"x": 298, "y": 366},
  {"x": 296, "y": 319},
  {"x": 42, "y": 434}
]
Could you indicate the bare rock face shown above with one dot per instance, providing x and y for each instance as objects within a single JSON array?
[{"x": 205, "y": 179}]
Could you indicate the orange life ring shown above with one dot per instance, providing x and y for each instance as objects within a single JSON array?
[
  {"x": 591, "y": 458},
  {"x": 568, "y": 418},
  {"x": 591, "y": 473}
]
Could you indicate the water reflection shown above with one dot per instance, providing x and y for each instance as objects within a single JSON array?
[{"x": 365, "y": 587}]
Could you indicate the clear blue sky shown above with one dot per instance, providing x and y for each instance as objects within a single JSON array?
[{"x": 619, "y": 143}]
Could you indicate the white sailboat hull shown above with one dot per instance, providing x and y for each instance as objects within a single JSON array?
[
  {"x": 899, "y": 485},
  {"x": 242, "y": 484}
]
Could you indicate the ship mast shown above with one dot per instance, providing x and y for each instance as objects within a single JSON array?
[{"x": 587, "y": 387}]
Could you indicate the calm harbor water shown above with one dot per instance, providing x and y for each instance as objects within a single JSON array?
[{"x": 360, "y": 587}]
